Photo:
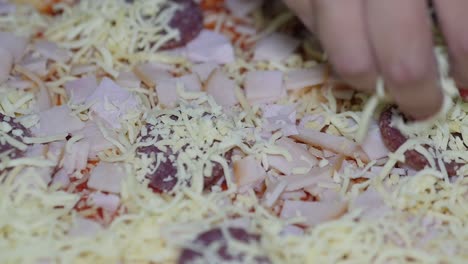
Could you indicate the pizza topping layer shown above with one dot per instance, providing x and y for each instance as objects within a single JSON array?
[{"x": 240, "y": 143}]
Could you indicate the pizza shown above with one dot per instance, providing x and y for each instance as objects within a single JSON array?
[{"x": 158, "y": 131}]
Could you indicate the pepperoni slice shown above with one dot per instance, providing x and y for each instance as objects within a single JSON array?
[
  {"x": 215, "y": 237},
  {"x": 217, "y": 173},
  {"x": 188, "y": 20},
  {"x": 393, "y": 139},
  {"x": 165, "y": 178},
  {"x": 15, "y": 128}
]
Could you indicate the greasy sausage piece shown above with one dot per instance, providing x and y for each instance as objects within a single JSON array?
[{"x": 215, "y": 237}]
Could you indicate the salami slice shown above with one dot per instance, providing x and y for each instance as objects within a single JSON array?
[
  {"x": 215, "y": 237},
  {"x": 164, "y": 178},
  {"x": 12, "y": 128},
  {"x": 393, "y": 139},
  {"x": 188, "y": 20}
]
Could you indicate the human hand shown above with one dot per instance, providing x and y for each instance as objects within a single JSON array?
[{"x": 365, "y": 39}]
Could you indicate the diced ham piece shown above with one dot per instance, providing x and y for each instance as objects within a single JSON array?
[
  {"x": 280, "y": 117},
  {"x": 301, "y": 78},
  {"x": 56, "y": 121},
  {"x": 83, "y": 227},
  {"x": 51, "y": 51},
  {"x": 337, "y": 144},
  {"x": 79, "y": 90},
  {"x": 128, "y": 79},
  {"x": 273, "y": 192},
  {"x": 110, "y": 102},
  {"x": 14, "y": 44},
  {"x": 55, "y": 151},
  {"x": 80, "y": 69},
  {"x": 61, "y": 178},
  {"x": 313, "y": 212},
  {"x": 222, "y": 89},
  {"x": 109, "y": 202},
  {"x": 6, "y": 8},
  {"x": 316, "y": 121},
  {"x": 372, "y": 204},
  {"x": 311, "y": 178},
  {"x": 36, "y": 150},
  {"x": 204, "y": 70},
  {"x": 275, "y": 47},
  {"x": 6, "y": 63},
  {"x": 292, "y": 230},
  {"x": 325, "y": 194},
  {"x": 18, "y": 83},
  {"x": 37, "y": 66},
  {"x": 264, "y": 86},
  {"x": 43, "y": 100},
  {"x": 373, "y": 144},
  {"x": 167, "y": 89},
  {"x": 151, "y": 74},
  {"x": 107, "y": 177},
  {"x": 301, "y": 158},
  {"x": 76, "y": 157},
  {"x": 210, "y": 46},
  {"x": 247, "y": 171},
  {"x": 93, "y": 135},
  {"x": 242, "y": 8}
]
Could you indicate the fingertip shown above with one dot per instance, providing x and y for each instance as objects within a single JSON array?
[
  {"x": 413, "y": 82},
  {"x": 343, "y": 32},
  {"x": 422, "y": 107}
]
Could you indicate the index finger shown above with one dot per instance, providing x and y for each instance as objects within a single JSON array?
[{"x": 401, "y": 37}]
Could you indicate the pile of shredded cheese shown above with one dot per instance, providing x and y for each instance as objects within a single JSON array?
[{"x": 422, "y": 218}]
